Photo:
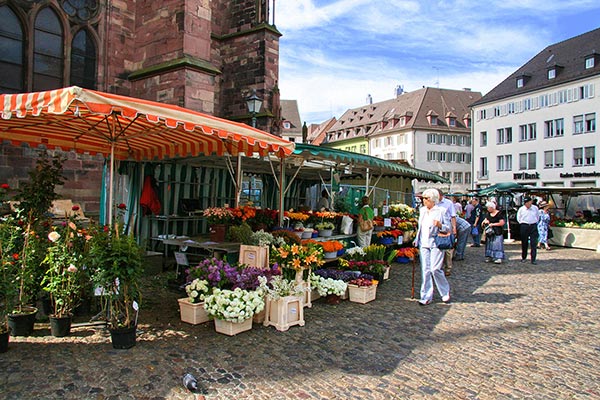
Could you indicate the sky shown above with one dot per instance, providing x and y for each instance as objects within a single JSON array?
[{"x": 333, "y": 53}]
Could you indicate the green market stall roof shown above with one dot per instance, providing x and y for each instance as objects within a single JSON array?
[{"x": 355, "y": 164}]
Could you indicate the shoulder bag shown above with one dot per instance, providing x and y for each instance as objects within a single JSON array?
[
  {"x": 444, "y": 241},
  {"x": 365, "y": 224}
]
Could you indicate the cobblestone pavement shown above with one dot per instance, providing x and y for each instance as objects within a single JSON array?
[{"x": 512, "y": 331}]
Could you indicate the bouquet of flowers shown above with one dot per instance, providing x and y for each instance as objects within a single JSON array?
[
  {"x": 327, "y": 286},
  {"x": 218, "y": 215},
  {"x": 197, "y": 290},
  {"x": 390, "y": 233},
  {"x": 298, "y": 257},
  {"x": 401, "y": 211},
  {"x": 324, "y": 225},
  {"x": 355, "y": 253},
  {"x": 244, "y": 213},
  {"x": 296, "y": 216},
  {"x": 280, "y": 287},
  {"x": 362, "y": 282},
  {"x": 331, "y": 246},
  {"x": 234, "y": 305}
]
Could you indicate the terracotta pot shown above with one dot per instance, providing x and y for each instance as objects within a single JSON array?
[
  {"x": 332, "y": 299},
  {"x": 218, "y": 232}
]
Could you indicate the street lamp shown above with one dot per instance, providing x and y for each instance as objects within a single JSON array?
[{"x": 254, "y": 103}]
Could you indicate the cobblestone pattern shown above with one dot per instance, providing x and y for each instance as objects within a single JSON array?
[{"x": 512, "y": 331}]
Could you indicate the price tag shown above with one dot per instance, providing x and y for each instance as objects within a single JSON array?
[
  {"x": 400, "y": 239},
  {"x": 387, "y": 222},
  {"x": 385, "y": 210}
]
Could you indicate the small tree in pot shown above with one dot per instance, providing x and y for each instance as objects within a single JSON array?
[{"x": 116, "y": 262}]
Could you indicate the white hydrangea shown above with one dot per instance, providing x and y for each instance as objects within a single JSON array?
[
  {"x": 329, "y": 286},
  {"x": 234, "y": 305},
  {"x": 197, "y": 290}
]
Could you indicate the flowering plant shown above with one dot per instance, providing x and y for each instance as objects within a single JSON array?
[
  {"x": 331, "y": 246},
  {"x": 326, "y": 215},
  {"x": 243, "y": 213},
  {"x": 262, "y": 238},
  {"x": 296, "y": 216},
  {"x": 327, "y": 286},
  {"x": 402, "y": 211},
  {"x": 234, "y": 305},
  {"x": 361, "y": 282},
  {"x": 391, "y": 233},
  {"x": 280, "y": 287},
  {"x": 298, "y": 257},
  {"x": 355, "y": 253},
  {"x": 62, "y": 279},
  {"x": 410, "y": 252},
  {"x": 222, "y": 275},
  {"x": 324, "y": 225},
  {"x": 197, "y": 290},
  {"x": 218, "y": 215}
]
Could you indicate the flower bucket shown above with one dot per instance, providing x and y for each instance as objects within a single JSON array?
[
  {"x": 299, "y": 234},
  {"x": 307, "y": 234},
  {"x": 402, "y": 260},
  {"x": 386, "y": 240},
  {"x": 362, "y": 294},
  {"x": 341, "y": 252},
  {"x": 232, "y": 328},
  {"x": 22, "y": 324},
  {"x": 4, "y": 338},
  {"x": 192, "y": 313},
  {"x": 284, "y": 312},
  {"x": 217, "y": 232},
  {"x": 330, "y": 254},
  {"x": 315, "y": 234},
  {"x": 326, "y": 232},
  {"x": 332, "y": 299},
  {"x": 123, "y": 338},
  {"x": 60, "y": 326}
]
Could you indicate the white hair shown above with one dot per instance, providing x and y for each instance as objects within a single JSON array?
[
  {"x": 490, "y": 204},
  {"x": 432, "y": 194}
]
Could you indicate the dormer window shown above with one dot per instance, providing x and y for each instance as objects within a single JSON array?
[
  {"x": 432, "y": 117},
  {"x": 287, "y": 125},
  {"x": 589, "y": 62},
  {"x": 520, "y": 82},
  {"x": 552, "y": 73}
]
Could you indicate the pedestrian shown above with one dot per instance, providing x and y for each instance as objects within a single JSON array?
[
  {"x": 323, "y": 204},
  {"x": 475, "y": 221},
  {"x": 458, "y": 208},
  {"x": 493, "y": 224},
  {"x": 543, "y": 225},
  {"x": 468, "y": 209},
  {"x": 365, "y": 217},
  {"x": 463, "y": 228},
  {"x": 433, "y": 219},
  {"x": 451, "y": 211},
  {"x": 528, "y": 216}
]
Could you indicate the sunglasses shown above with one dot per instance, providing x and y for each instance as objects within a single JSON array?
[{"x": 425, "y": 198}]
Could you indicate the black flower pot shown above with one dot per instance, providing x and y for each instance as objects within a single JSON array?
[
  {"x": 4, "y": 337},
  {"x": 123, "y": 338},
  {"x": 22, "y": 324},
  {"x": 60, "y": 326}
]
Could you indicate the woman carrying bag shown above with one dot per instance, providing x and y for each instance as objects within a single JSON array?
[
  {"x": 494, "y": 238},
  {"x": 365, "y": 223},
  {"x": 433, "y": 221}
]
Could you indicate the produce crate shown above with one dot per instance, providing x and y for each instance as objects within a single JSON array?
[{"x": 362, "y": 294}]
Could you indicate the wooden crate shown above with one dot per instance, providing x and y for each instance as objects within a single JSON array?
[
  {"x": 192, "y": 313},
  {"x": 284, "y": 312},
  {"x": 362, "y": 294},
  {"x": 254, "y": 256},
  {"x": 232, "y": 328}
]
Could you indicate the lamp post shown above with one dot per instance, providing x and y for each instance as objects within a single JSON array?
[{"x": 254, "y": 103}]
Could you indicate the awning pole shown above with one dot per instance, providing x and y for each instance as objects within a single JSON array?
[
  {"x": 281, "y": 190},
  {"x": 238, "y": 180},
  {"x": 112, "y": 171}
]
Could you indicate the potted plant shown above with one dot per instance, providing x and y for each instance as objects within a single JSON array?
[
  {"x": 331, "y": 248},
  {"x": 218, "y": 218},
  {"x": 233, "y": 309},
  {"x": 331, "y": 289},
  {"x": 191, "y": 308},
  {"x": 284, "y": 302},
  {"x": 362, "y": 290},
  {"x": 325, "y": 228},
  {"x": 62, "y": 279},
  {"x": 116, "y": 261},
  {"x": 10, "y": 233}
]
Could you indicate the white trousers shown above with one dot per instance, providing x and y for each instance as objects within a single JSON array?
[{"x": 432, "y": 260}]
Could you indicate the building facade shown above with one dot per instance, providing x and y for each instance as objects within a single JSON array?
[
  {"x": 538, "y": 127},
  {"x": 429, "y": 129},
  {"x": 207, "y": 56}
]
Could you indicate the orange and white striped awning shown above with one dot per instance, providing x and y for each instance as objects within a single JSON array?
[{"x": 89, "y": 121}]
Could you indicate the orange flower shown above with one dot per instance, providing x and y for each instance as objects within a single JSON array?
[
  {"x": 283, "y": 253},
  {"x": 296, "y": 263},
  {"x": 295, "y": 249}
]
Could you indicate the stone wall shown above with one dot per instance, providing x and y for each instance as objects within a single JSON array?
[{"x": 83, "y": 175}]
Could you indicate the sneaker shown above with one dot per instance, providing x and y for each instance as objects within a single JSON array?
[
  {"x": 488, "y": 259},
  {"x": 534, "y": 262},
  {"x": 498, "y": 261},
  {"x": 446, "y": 298},
  {"x": 424, "y": 302},
  {"x": 524, "y": 260}
]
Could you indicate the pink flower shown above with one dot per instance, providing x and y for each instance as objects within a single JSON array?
[
  {"x": 75, "y": 208},
  {"x": 53, "y": 236},
  {"x": 72, "y": 268},
  {"x": 5, "y": 186}
]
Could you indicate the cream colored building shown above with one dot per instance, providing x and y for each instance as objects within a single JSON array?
[
  {"x": 538, "y": 127},
  {"x": 428, "y": 129}
]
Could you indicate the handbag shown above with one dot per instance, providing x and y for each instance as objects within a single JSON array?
[
  {"x": 444, "y": 241},
  {"x": 365, "y": 224},
  {"x": 489, "y": 231},
  {"x": 474, "y": 231},
  {"x": 550, "y": 233}
]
